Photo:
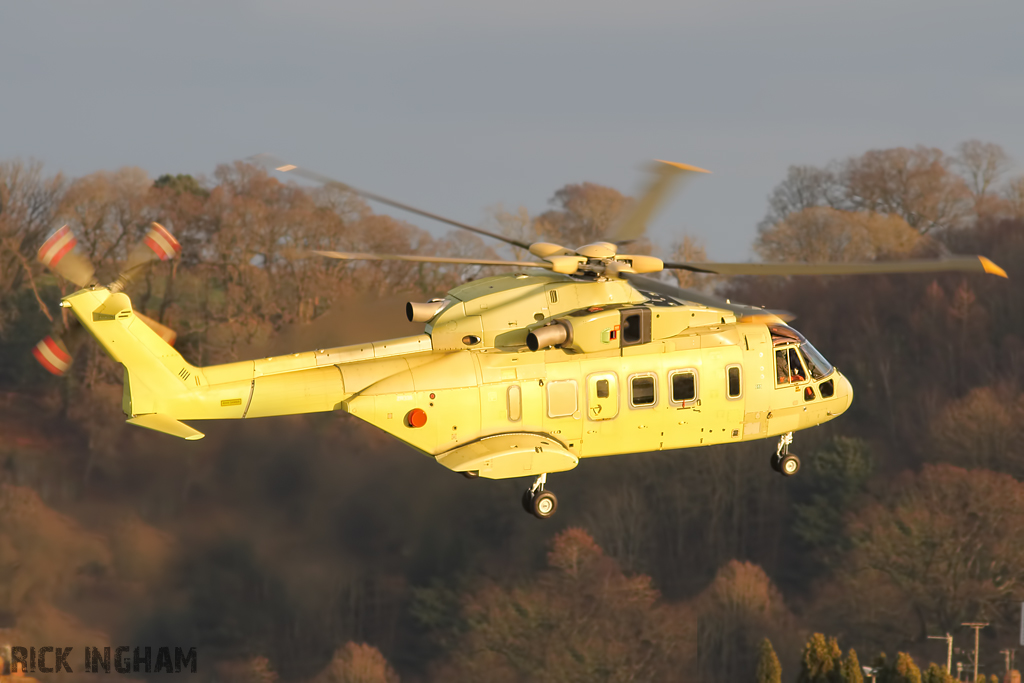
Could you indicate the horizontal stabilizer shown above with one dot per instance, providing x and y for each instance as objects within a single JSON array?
[{"x": 167, "y": 425}]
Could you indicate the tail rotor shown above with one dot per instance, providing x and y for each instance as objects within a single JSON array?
[{"x": 60, "y": 255}]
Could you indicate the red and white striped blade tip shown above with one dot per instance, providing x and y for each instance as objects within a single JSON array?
[
  {"x": 52, "y": 355},
  {"x": 56, "y": 247},
  {"x": 57, "y": 254},
  {"x": 162, "y": 242}
]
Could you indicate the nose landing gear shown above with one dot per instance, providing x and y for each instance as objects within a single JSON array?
[
  {"x": 538, "y": 502},
  {"x": 782, "y": 461}
]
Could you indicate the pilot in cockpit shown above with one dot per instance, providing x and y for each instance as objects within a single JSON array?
[
  {"x": 788, "y": 366},
  {"x": 782, "y": 366}
]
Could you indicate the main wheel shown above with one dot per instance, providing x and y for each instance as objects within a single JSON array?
[
  {"x": 528, "y": 501},
  {"x": 544, "y": 504},
  {"x": 776, "y": 458},
  {"x": 789, "y": 465}
]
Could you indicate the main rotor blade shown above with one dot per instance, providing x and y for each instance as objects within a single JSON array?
[
  {"x": 633, "y": 225},
  {"x": 967, "y": 264},
  {"x": 693, "y": 296},
  {"x": 352, "y": 256},
  {"x": 284, "y": 167}
]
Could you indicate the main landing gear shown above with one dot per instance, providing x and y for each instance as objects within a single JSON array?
[
  {"x": 782, "y": 462},
  {"x": 537, "y": 501}
]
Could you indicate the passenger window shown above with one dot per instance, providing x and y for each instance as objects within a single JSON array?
[
  {"x": 602, "y": 388},
  {"x": 562, "y": 398},
  {"x": 643, "y": 391},
  {"x": 684, "y": 386},
  {"x": 735, "y": 387},
  {"x": 515, "y": 403}
]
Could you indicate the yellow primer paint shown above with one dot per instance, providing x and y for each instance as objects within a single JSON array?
[{"x": 492, "y": 406}]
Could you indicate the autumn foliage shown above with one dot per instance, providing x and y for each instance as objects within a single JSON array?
[{"x": 313, "y": 549}]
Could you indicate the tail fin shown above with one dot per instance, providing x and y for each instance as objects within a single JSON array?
[{"x": 154, "y": 372}]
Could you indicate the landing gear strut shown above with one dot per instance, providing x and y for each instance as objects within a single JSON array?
[
  {"x": 537, "y": 501},
  {"x": 782, "y": 461}
]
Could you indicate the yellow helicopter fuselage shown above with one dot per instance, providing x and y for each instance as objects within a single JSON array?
[{"x": 630, "y": 372}]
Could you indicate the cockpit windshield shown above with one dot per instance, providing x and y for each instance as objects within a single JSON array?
[
  {"x": 816, "y": 362},
  {"x": 783, "y": 335}
]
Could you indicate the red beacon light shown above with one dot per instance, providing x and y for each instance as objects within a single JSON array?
[{"x": 417, "y": 417}]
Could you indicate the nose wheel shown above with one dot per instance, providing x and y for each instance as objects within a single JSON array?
[
  {"x": 782, "y": 460},
  {"x": 538, "y": 502}
]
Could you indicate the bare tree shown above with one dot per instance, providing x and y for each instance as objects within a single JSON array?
[
  {"x": 942, "y": 546},
  {"x": 357, "y": 663},
  {"x": 584, "y": 213},
  {"x": 985, "y": 428},
  {"x": 822, "y": 233},
  {"x": 28, "y": 202},
  {"x": 1013, "y": 194},
  {"x": 916, "y": 184},
  {"x": 803, "y": 188},
  {"x": 983, "y": 163},
  {"x": 740, "y": 608},
  {"x": 517, "y": 225},
  {"x": 689, "y": 249}
]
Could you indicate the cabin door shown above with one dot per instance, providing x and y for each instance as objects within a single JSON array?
[
  {"x": 602, "y": 396},
  {"x": 602, "y": 433}
]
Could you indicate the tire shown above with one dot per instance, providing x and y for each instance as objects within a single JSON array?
[
  {"x": 774, "y": 462},
  {"x": 473, "y": 474},
  {"x": 544, "y": 504},
  {"x": 789, "y": 465},
  {"x": 528, "y": 501}
]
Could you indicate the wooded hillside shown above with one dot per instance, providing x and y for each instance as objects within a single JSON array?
[{"x": 314, "y": 548}]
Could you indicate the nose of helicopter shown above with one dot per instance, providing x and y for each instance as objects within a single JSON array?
[{"x": 844, "y": 390}]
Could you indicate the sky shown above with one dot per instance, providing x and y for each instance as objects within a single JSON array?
[{"x": 458, "y": 105}]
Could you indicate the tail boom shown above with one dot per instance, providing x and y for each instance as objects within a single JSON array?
[{"x": 161, "y": 388}]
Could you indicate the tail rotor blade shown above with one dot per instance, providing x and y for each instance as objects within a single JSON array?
[
  {"x": 162, "y": 243},
  {"x": 53, "y": 355},
  {"x": 59, "y": 255},
  {"x": 164, "y": 332},
  {"x": 158, "y": 245}
]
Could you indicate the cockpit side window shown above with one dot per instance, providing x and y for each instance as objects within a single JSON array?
[
  {"x": 784, "y": 335},
  {"x": 782, "y": 366},
  {"x": 788, "y": 366},
  {"x": 796, "y": 366}
]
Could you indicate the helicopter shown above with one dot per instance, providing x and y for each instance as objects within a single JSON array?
[{"x": 576, "y": 354}]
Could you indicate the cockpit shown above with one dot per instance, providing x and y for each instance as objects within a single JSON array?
[{"x": 797, "y": 361}]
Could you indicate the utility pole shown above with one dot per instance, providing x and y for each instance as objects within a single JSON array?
[
  {"x": 1008, "y": 656},
  {"x": 977, "y": 626},
  {"x": 949, "y": 650}
]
